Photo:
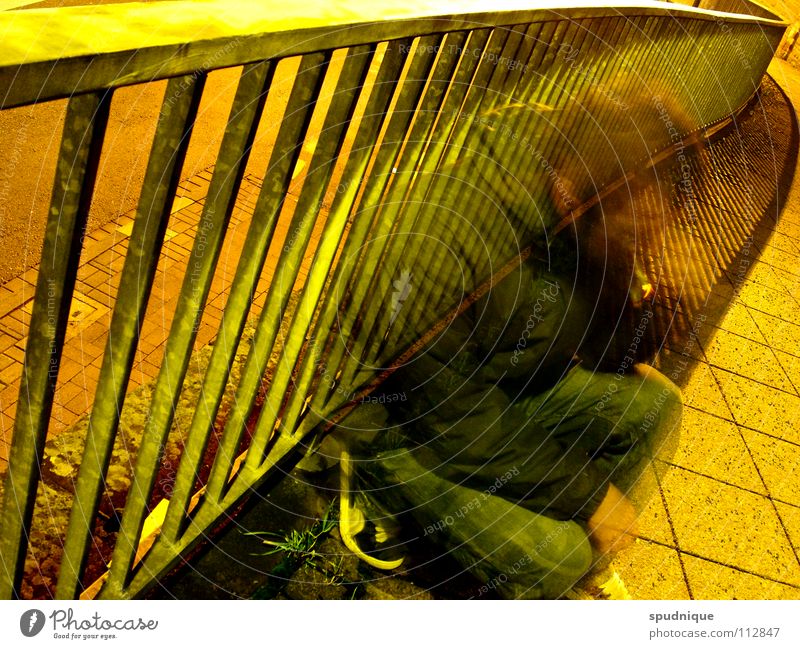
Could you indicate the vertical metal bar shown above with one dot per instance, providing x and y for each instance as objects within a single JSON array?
[
  {"x": 713, "y": 91},
  {"x": 329, "y": 146},
  {"x": 683, "y": 93},
  {"x": 282, "y": 163},
  {"x": 553, "y": 134},
  {"x": 597, "y": 156},
  {"x": 574, "y": 166},
  {"x": 489, "y": 78},
  {"x": 175, "y": 537},
  {"x": 594, "y": 155},
  {"x": 486, "y": 91},
  {"x": 394, "y": 207},
  {"x": 404, "y": 332},
  {"x": 502, "y": 81},
  {"x": 537, "y": 89},
  {"x": 748, "y": 42},
  {"x": 481, "y": 94},
  {"x": 486, "y": 169},
  {"x": 170, "y": 143},
  {"x": 655, "y": 30},
  {"x": 727, "y": 88},
  {"x": 687, "y": 68},
  {"x": 404, "y": 139},
  {"x": 328, "y": 149},
  {"x": 367, "y": 220},
  {"x": 84, "y": 127},
  {"x": 436, "y": 146},
  {"x": 305, "y": 91},
  {"x": 374, "y": 116},
  {"x": 234, "y": 151},
  {"x": 165, "y": 551},
  {"x": 493, "y": 78},
  {"x": 689, "y": 36},
  {"x": 521, "y": 76},
  {"x": 428, "y": 176},
  {"x": 564, "y": 159}
]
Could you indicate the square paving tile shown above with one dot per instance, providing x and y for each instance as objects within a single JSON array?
[
  {"x": 761, "y": 407},
  {"x": 728, "y": 525},
  {"x": 787, "y": 223},
  {"x": 761, "y": 273},
  {"x": 673, "y": 365},
  {"x": 738, "y": 320},
  {"x": 714, "y": 447},
  {"x": 781, "y": 241},
  {"x": 651, "y": 571},
  {"x": 652, "y": 522},
  {"x": 778, "y": 463},
  {"x": 790, "y": 515},
  {"x": 747, "y": 358},
  {"x": 776, "y": 302},
  {"x": 83, "y": 312},
  {"x": 710, "y": 580},
  {"x": 778, "y": 332},
  {"x": 780, "y": 259},
  {"x": 789, "y": 281},
  {"x": 703, "y": 392},
  {"x": 689, "y": 348},
  {"x": 791, "y": 365}
]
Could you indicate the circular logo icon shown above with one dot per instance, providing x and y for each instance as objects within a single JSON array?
[{"x": 31, "y": 622}]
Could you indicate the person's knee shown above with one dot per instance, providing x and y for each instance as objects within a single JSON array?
[
  {"x": 660, "y": 405},
  {"x": 662, "y": 395},
  {"x": 658, "y": 381}
]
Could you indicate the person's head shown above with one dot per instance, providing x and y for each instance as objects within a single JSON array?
[
  {"x": 611, "y": 276},
  {"x": 616, "y": 235}
]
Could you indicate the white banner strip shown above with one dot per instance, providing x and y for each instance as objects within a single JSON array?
[{"x": 400, "y": 625}]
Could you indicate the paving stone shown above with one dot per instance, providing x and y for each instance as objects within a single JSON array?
[
  {"x": 779, "y": 333},
  {"x": 780, "y": 259},
  {"x": 12, "y": 373},
  {"x": 747, "y": 358},
  {"x": 703, "y": 392},
  {"x": 738, "y": 320},
  {"x": 778, "y": 464},
  {"x": 714, "y": 447},
  {"x": 791, "y": 366},
  {"x": 651, "y": 571},
  {"x": 710, "y": 580},
  {"x": 790, "y": 517},
  {"x": 761, "y": 407},
  {"x": 652, "y": 521},
  {"x": 728, "y": 525}
]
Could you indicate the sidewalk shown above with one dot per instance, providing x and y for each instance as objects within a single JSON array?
[{"x": 98, "y": 278}]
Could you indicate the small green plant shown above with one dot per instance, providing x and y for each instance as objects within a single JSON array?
[
  {"x": 300, "y": 545},
  {"x": 334, "y": 573}
]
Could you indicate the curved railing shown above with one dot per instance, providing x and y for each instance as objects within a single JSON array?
[{"x": 397, "y": 120}]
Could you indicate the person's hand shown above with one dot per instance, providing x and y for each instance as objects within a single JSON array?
[{"x": 613, "y": 525}]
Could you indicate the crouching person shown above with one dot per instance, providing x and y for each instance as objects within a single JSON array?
[
  {"x": 528, "y": 521},
  {"x": 515, "y": 459}
]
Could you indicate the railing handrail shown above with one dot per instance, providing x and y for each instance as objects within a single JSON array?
[
  {"x": 748, "y": 7},
  {"x": 168, "y": 39}
]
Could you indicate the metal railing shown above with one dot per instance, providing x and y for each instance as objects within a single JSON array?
[{"x": 506, "y": 99}]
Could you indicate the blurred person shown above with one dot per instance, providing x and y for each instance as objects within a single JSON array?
[{"x": 526, "y": 421}]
